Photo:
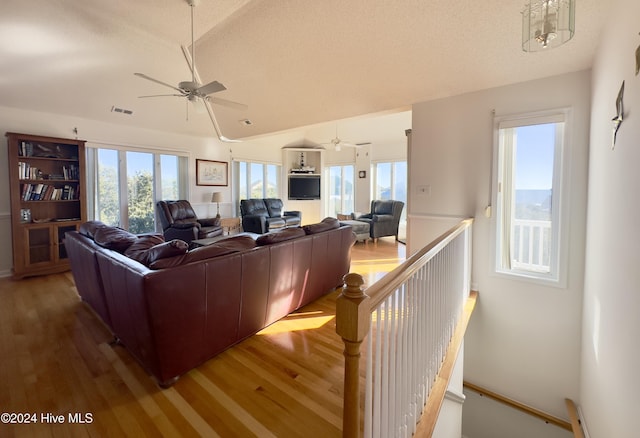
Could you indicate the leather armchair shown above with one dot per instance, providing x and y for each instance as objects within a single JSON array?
[
  {"x": 384, "y": 218},
  {"x": 179, "y": 221},
  {"x": 264, "y": 215}
]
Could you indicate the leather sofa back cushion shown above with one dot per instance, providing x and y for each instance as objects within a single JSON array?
[
  {"x": 181, "y": 211},
  {"x": 114, "y": 238},
  {"x": 89, "y": 228},
  {"x": 280, "y": 236},
  {"x": 254, "y": 207},
  {"x": 148, "y": 249},
  {"x": 226, "y": 246},
  {"x": 238, "y": 243},
  {"x": 326, "y": 224},
  {"x": 274, "y": 207},
  {"x": 383, "y": 207}
]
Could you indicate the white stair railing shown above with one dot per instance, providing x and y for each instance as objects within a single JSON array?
[{"x": 408, "y": 319}]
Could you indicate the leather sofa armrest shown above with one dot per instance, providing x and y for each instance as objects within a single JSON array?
[
  {"x": 295, "y": 213},
  {"x": 382, "y": 217},
  {"x": 210, "y": 222},
  {"x": 365, "y": 216},
  {"x": 254, "y": 223}
]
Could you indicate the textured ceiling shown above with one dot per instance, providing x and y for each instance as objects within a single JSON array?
[{"x": 293, "y": 62}]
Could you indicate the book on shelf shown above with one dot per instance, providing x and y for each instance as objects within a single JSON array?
[
  {"x": 48, "y": 192},
  {"x": 70, "y": 172},
  {"x": 26, "y": 149}
]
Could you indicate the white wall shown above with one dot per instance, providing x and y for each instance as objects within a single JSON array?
[
  {"x": 38, "y": 123},
  {"x": 524, "y": 338},
  {"x": 610, "y": 356}
]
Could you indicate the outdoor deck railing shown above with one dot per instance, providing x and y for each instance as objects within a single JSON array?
[
  {"x": 408, "y": 319},
  {"x": 531, "y": 245}
]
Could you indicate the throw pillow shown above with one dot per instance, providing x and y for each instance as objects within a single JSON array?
[
  {"x": 114, "y": 238},
  {"x": 223, "y": 247},
  {"x": 89, "y": 228},
  {"x": 139, "y": 249},
  {"x": 164, "y": 250}
]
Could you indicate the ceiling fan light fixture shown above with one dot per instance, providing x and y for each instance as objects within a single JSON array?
[
  {"x": 188, "y": 86},
  {"x": 547, "y": 24}
]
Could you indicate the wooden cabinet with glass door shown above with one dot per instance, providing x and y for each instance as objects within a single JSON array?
[{"x": 47, "y": 189}]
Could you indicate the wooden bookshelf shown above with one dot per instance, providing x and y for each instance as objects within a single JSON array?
[{"x": 48, "y": 198}]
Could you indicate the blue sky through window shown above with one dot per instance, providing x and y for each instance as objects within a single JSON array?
[{"x": 534, "y": 157}]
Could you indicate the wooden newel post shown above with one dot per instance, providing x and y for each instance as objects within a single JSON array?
[{"x": 353, "y": 318}]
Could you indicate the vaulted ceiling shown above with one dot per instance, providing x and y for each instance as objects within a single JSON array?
[{"x": 293, "y": 62}]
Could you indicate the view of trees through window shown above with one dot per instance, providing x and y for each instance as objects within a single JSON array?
[
  {"x": 108, "y": 199},
  {"x": 140, "y": 192},
  {"x": 144, "y": 175}
]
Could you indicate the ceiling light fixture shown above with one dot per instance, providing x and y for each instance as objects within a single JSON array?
[{"x": 547, "y": 24}]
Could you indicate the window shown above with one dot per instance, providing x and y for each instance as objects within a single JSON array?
[
  {"x": 257, "y": 180},
  {"x": 390, "y": 182},
  {"x": 341, "y": 193},
  {"x": 126, "y": 185},
  {"x": 528, "y": 191}
]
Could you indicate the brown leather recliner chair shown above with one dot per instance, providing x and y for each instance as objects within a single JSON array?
[{"x": 179, "y": 221}]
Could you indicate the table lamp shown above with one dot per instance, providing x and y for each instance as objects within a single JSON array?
[{"x": 217, "y": 198}]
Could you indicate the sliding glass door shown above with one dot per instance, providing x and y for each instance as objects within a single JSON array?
[{"x": 341, "y": 193}]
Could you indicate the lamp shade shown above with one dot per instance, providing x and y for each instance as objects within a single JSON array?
[
  {"x": 547, "y": 24},
  {"x": 216, "y": 197}
]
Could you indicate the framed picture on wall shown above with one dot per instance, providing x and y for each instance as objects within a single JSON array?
[{"x": 212, "y": 173}]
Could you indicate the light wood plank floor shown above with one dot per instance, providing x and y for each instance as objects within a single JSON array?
[{"x": 57, "y": 364}]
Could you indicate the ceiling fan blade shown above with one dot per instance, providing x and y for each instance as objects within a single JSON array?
[
  {"x": 210, "y": 88},
  {"x": 228, "y": 103},
  {"x": 161, "y": 95},
  {"x": 350, "y": 145},
  {"x": 149, "y": 78}
]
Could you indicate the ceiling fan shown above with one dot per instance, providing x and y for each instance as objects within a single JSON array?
[
  {"x": 337, "y": 143},
  {"x": 193, "y": 90}
]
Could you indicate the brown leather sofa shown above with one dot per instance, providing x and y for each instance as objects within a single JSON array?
[{"x": 174, "y": 308}]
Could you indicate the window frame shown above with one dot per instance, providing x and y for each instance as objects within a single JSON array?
[
  {"x": 265, "y": 165},
  {"x": 92, "y": 175},
  {"x": 393, "y": 181},
  {"x": 327, "y": 179},
  {"x": 557, "y": 275}
]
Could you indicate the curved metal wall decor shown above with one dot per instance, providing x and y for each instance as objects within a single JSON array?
[{"x": 617, "y": 120}]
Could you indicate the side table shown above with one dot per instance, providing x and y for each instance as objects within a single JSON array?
[{"x": 230, "y": 225}]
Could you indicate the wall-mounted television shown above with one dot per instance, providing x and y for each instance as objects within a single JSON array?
[{"x": 304, "y": 187}]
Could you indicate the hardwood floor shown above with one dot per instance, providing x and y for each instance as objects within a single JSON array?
[{"x": 59, "y": 371}]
